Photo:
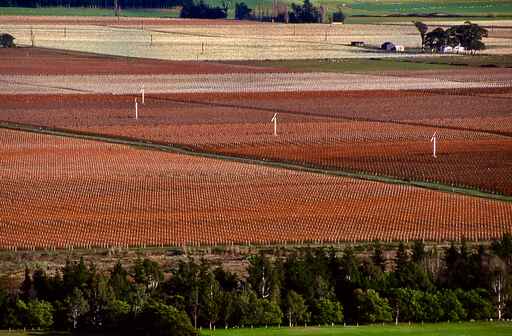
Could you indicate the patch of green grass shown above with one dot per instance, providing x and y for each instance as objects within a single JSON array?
[
  {"x": 348, "y": 65},
  {"x": 439, "y": 329},
  {"x": 498, "y": 61}
]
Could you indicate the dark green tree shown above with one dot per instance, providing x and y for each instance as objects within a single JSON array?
[
  {"x": 243, "y": 12},
  {"x": 162, "y": 320},
  {"x": 422, "y": 29}
]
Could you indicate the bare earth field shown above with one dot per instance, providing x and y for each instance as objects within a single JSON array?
[
  {"x": 85, "y": 193},
  {"x": 51, "y": 62}
]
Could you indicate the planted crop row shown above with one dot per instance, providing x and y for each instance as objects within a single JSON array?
[{"x": 61, "y": 193}]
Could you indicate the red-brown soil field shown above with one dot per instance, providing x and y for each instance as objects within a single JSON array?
[
  {"x": 40, "y": 61},
  {"x": 60, "y": 192},
  {"x": 314, "y": 129}
]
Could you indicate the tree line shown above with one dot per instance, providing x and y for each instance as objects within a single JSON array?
[
  {"x": 280, "y": 12},
  {"x": 312, "y": 286}
]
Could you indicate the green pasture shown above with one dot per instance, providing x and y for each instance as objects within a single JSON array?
[
  {"x": 441, "y": 329},
  {"x": 348, "y": 65},
  {"x": 434, "y": 329},
  {"x": 382, "y": 64}
]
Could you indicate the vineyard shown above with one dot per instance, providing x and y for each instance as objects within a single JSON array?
[
  {"x": 387, "y": 133},
  {"x": 84, "y": 194}
]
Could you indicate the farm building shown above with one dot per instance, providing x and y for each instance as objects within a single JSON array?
[
  {"x": 391, "y": 47},
  {"x": 387, "y": 46}
]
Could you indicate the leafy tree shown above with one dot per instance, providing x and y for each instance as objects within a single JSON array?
[
  {"x": 99, "y": 296},
  {"x": 261, "y": 276},
  {"x": 305, "y": 13},
  {"x": 469, "y": 35},
  {"x": 74, "y": 275},
  {"x": 27, "y": 288},
  {"x": 432, "y": 307},
  {"x": 162, "y": 320},
  {"x": 227, "y": 280},
  {"x": 243, "y": 12},
  {"x": 39, "y": 314},
  {"x": 116, "y": 315},
  {"x": 422, "y": 29},
  {"x": 119, "y": 281},
  {"x": 41, "y": 284},
  {"x": 371, "y": 307},
  {"x": 77, "y": 306},
  {"x": 297, "y": 311},
  {"x": 211, "y": 297},
  {"x": 7, "y": 41},
  {"x": 202, "y": 10},
  {"x": 418, "y": 251},
  {"x": 378, "y": 256},
  {"x": 338, "y": 16},
  {"x": 503, "y": 248},
  {"x": 148, "y": 273},
  {"x": 436, "y": 39},
  {"x": 230, "y": 308},
  {"x": 475, "y": 303},
  {"x": 269, "y": 313},
  {"x": 453, "y": 309},
  {"x": 327, "y": 311}
]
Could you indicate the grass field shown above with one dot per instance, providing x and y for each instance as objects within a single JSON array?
[
  {"x": 379, "y": 64},
  {"x": 349, "y": 65},
  {"x": 439, "y": 329},
  {"x": 444, "y": 329}
]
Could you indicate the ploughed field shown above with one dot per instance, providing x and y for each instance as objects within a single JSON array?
[
  {"x": 62, "y": 192},
  {"x": 374, "y": 132}
]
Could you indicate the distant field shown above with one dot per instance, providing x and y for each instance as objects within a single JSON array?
[
  {"x": 371, "y": 9},
  {"x": 79, "y": 11},
  {"x": 444, "y": 329}
]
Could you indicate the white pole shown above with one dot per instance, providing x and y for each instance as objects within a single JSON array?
[
  {"x": 274, "y": 119},
  {"x": 433, "y": 140},
  {"x": 142, "y": 92},
  {"x": 136, "y": 109}
]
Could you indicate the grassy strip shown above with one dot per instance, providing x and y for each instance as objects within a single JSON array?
[
  {"x": 384, "y": 64},
  {"x": 173, "y": 148},
  {"x": 430, "y": 329},
  {"x": 347, "y": 65}
]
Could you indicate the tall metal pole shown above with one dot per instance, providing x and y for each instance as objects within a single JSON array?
[
  {"x": 136, "y": 109},
  {"x": 433, "y": 140},
  {"x": 274, "y": 119}
]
